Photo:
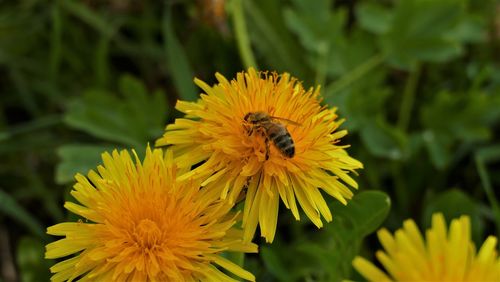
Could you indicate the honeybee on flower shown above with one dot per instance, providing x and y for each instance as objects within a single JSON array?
[{"x": 263, "y": 133}]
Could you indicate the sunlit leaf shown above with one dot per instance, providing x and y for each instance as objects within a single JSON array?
[
  {"x": 420, "y": 31},
  {"x": 373, "y": 17},
  {"x": 133, "y": 120},
  {"x": 274, "y": 40},
  {"x": 78, "y": 159},
  {"x": 365, "y": 212},
  {"x": 383, "y": 140}
]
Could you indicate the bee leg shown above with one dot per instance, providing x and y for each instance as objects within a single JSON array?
[
  {"x": 250, "y": 131},
  {"x": 247, "y": 182},
  {"x": 267, "y": 149}
]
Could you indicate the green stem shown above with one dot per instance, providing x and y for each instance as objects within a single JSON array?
[
  {"x": 401, "y": 191},
  {"x": 101, "y": 61},
  {"x": 242, "y": 34},
  {"x": 409, "y": 98},
  {"x": 354, "y": 75},
  {"x": 485, "y": 180},
  {"x": 55, "y": 41},
  {"x": 29, "y": 127},
  {"x": 321, "y": 66}
]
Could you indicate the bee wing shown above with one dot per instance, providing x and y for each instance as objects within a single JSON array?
[{"x": 287, "y": 121}]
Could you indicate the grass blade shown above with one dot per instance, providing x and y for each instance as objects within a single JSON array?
[
  {"x": 177, "y": 60},
  {"x": 10, "y": 207}
]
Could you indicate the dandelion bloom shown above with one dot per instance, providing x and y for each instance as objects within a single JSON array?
[
  {"x": 143, "y": 226},
  {"x": 445, "y": 256},
  {"x": 233, "y": 158}
]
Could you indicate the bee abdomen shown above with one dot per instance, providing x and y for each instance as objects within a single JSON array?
[
  {"x": 278, "y": 139},
  {"x": 290, "y": 151},
  {"x": 285, "y": 144}
]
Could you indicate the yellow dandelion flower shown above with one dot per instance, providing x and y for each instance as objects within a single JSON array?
[
  {"x": 141, "y": 225},
  {"x": 266, "y": 135},
  {"x": 443, "y": 256}
]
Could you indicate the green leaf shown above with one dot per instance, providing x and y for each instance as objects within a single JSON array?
[
  {"x": 78, "y": 159},
  {"x": 365, "y": 212},
  {"x": 353, "y": 57},
  {"x": 133, "y": 120},
  {"x": 470, "y": 29},
  {"x": 454, "y": 203},
  {"x": 373, "y": 17},
  {"x": 177, "y": 60},
  {"x": 420, "y": 31},
  {"x": 149, "y": 111},
  {"x": 438, "y": 147},
  {"x": 274, "y": 40},
  {"x": 316, "y": 26},
  {"x": 451, "y": 119},
  {"x": 362, "y": 215},
  {"x": 275, "y": 264},
  {"x": 321, "y": 32},
  {"x": 327, "y": 253},
  {"x": 10, "y": 207},
  {"x": 363, "y": 103},
  {"x": 30, "y": 258},
  {"x": 489, "y": 154},
  {"x": 384, "y": 140}
]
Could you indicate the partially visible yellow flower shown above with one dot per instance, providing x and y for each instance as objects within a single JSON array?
[
  {"x": 235, "y": 159},
  {"x": 443, "y": 256},
  {"x": 141, "y": 225}
]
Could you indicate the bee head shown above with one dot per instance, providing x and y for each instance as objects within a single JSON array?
[{"x": 247, "y": 117}]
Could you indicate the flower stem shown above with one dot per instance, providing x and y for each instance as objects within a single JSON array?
[
  {"x": 485, "y": 180},
  {"x": 409, "y": 97},
  {"x": 321, "y": 66},
  {"x": 242, "y": 34},
  {"x": 40, "y": 123},
  {"x": 354, "y": 75},
  {"x": 401, "y": 191}
]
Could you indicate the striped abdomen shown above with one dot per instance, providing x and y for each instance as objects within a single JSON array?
[{"x": 281, "y": 139}]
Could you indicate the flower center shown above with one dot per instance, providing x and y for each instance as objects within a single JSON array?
[{"x": 147, "y": 234}]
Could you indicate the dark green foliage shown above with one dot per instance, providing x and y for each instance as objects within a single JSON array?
[
  {"x": 418, "y": 82},
  {"x": 119, "y": 119},
  {"x": 341, "y": 240},
  {"x": 31, "y": 260},
  {"x": 454, "y": 203},
  {"x": 326, "y": 255},
  {"x": 9, "y": 207}
]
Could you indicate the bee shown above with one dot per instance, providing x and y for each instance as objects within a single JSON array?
[{"x": 271, "y": 130}]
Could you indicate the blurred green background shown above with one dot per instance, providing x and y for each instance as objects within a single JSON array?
[{"x": 418, "y": 82}]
